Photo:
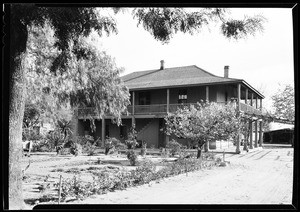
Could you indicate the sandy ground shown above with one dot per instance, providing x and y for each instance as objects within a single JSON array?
[{"x": 259, "y": 177}]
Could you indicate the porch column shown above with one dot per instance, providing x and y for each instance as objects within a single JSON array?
[
  {"x": 261, "y": 127},
  {"x": 207, "y": 94},
  {"x": 256, "y": 133},
  {"x": 133, "y": 102},
  {"x": 260, "y": 133},
  {"x": 103, "y": 131},
  {"x": 246, "y": 96},
  {"x": 206, "y": 145},
  {"x": 260, "y": 104},
  {"x": 238, "y": 141},
  {"x": 246, "y": 137},
  {"x": 168, "y": 110},
  {"x": 251, "y": 134},
  {"x": 251, "y": 103},
  {"x": 256, "y": 102},
  {"x": 168, "y": 100}
]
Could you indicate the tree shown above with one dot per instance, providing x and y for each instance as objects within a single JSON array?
[
  {"x": 203, "y": 123},
  {"x": 284, "y": 103},
  {"x": 69, "y": 25}
]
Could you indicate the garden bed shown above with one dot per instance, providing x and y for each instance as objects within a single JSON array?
[{"x": 84, "y": 175}]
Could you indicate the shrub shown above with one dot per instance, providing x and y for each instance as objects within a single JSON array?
[
  {"x": 132, "y": 157},
  {"x": 144, "y": 173},
  {"x": 111, "y": 144},
  {"x": 87, "y": 143},
  {"x": 131, "y": 142},
  {"x": 174, "y": 147}
]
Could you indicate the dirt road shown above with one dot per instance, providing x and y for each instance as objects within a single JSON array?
[{"x": 258, "y": 177}]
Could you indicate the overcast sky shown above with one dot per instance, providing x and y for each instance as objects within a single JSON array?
[{"x": 263, "y": 61}]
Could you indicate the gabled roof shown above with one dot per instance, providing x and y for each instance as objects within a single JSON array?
[{"x": 175, "y": 77}]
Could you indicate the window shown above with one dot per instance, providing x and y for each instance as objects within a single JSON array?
[
  {"x": 182, "y": 96},
  {"x": 144, "y": 98}
]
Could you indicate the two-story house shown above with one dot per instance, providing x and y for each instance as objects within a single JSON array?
[{"x": 154, "y": 93}]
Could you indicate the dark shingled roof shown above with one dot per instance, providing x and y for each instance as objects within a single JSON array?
[{"x": 174, "y": 77}]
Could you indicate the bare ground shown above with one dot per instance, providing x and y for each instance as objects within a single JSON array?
[{"x": 258, "y": 177}]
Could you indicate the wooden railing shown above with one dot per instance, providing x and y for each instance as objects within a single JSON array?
[
  {"x": 158, "y": 109},
  {"x": 249, "y": 109}
]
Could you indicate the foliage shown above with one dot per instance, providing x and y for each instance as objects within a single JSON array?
[
  {"x": 131, "y": 141},
  {"x": 284, "y": 103},
  {"x": 144, "y": 173},
  {"x": 87, "y": 143},
  {"x": 144, "y": 148},
  {"x": 111, "y": 144},
  {"x": 42, "y": 145},
  {"x": 203, "y": 122},
  {"x": 132, "y": 157},
  {"x": 174, "y": 147},
  {"x": 55, "y": 139},
  {"x": 163, "y": 23}
]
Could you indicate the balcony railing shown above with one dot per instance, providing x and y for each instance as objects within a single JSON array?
[
  {"x": 160, "y": 109},
  {"x": 249, "y": 109}
]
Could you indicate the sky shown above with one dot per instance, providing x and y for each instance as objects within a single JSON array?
[{"x": 265, "y": 60}]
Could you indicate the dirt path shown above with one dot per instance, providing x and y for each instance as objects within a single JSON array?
[{"x": 260, "y": 177}]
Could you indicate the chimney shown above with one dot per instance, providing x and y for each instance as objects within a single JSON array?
[
  {"x": 162, "y": 64},
  {"x": 226, "y": 71}
]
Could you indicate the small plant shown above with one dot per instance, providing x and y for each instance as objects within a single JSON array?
[{"x": 132, "y": 157}]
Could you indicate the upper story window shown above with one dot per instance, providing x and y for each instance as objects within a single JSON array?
[
  {"x": 182, "y": 96},
  {"x": 144, "y": 98}
]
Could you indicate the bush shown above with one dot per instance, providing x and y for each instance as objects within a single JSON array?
[
  {"x": 111, "y": 144},
  {"x": 87, "y": 143},
  {"x": 132, "y": 157},
  {"x": 41, "y": 146},
  {"x": 174, "y": 147},
  {"x": 131, "y": 142},
  {"x": 144, "y": 173}
]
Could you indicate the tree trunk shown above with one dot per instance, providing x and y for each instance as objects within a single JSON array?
[
  {"x": 16, "y": 113},
  {"x": 199, "y": 150},
  {"x": 18, "y": 39}
]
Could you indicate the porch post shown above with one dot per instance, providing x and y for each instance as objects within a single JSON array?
[
  {"x": 238, "y": 141},
  {"x": 251, "y": 103},
  {"x": 246, "y": 96},
  {"x": 260, "y": 133},
  {"x": 133, "y": 102},
  {"x": 256, "y": 133},
  {"x": 207, "y": 94},
  {"x": 256, "y": 102},
  {"x": 261, "y": 127},
  {"x": 168, "y": 100},
  {"x": 103, "y": 131},
  {"x": 133, "y": 111},
  {"x": 251, "y": 134},
  {"x": 206, "y": 145}
]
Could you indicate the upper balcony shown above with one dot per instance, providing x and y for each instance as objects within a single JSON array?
[{"x": 160, "y": 109}]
